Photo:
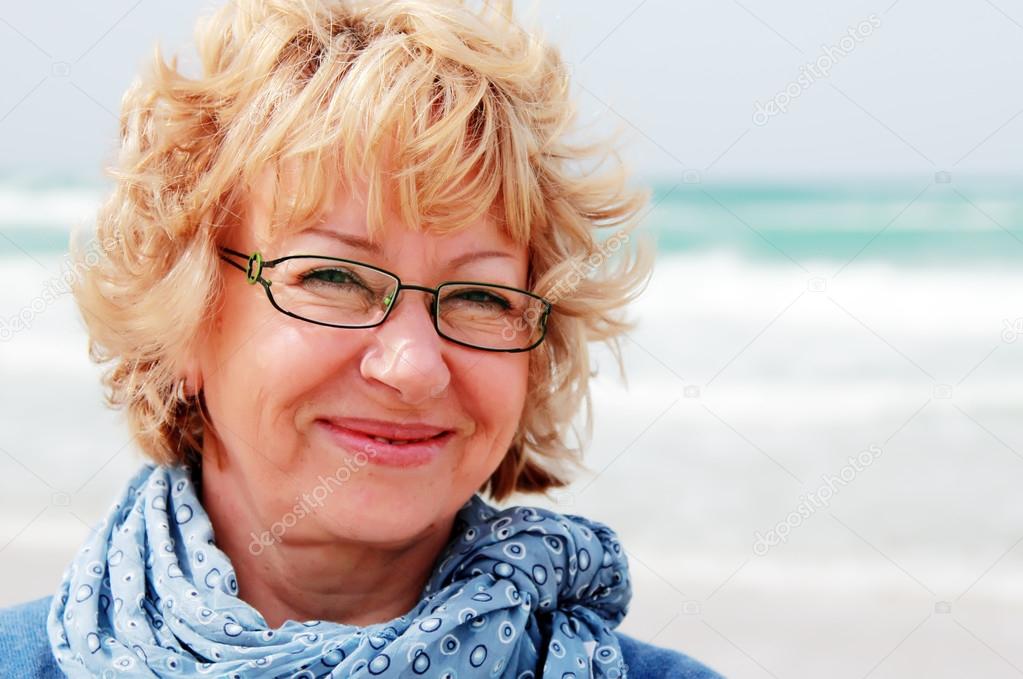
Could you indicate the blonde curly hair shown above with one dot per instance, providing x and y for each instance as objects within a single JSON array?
[{"x": 478, "y": 111}]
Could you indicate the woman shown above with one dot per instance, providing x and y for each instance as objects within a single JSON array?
[{"x": 346, "y": 283}]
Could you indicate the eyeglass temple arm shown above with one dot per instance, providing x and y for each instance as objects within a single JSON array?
[{"x": 229, "y": 251}]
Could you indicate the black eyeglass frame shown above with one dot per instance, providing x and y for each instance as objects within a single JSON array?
[{"x": 255, "y": 264}]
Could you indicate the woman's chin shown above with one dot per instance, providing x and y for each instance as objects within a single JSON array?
[{"x": 391, "y": 522}]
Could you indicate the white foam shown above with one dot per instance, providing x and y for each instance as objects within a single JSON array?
[{"x": 64, "y": 208}]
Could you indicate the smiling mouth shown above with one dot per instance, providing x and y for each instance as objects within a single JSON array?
[
  {"x": 397, "y": 453},
  {"x": 390, "y": 433}
]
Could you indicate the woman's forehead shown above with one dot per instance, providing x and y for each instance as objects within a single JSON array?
[
  {"x": 346, "y": 210},
  {"x": 393, "y": 239}
]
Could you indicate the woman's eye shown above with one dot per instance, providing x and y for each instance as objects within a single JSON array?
[
  {"x": 330, "y": 276},
  {"x": 482, "y": 297}
]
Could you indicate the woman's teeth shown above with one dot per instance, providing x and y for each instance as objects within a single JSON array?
[{"x": 398, "y": 443}]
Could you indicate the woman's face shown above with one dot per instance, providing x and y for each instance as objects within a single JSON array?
[{"x": 279, "y": 390}]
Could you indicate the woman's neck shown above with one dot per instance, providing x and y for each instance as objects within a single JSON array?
[{"x": 348, "y": 582}]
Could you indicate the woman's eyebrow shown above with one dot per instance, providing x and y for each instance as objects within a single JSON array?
[
  {"x": 369, "y": 246},
  {"x": 473, "y": 256},
  {"x": 349, "y": 240}
]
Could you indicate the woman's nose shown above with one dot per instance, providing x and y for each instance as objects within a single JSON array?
[{"x": 407, "y": 355}]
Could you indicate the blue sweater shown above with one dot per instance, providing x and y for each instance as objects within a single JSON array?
[{"x": 25, "y": 650}]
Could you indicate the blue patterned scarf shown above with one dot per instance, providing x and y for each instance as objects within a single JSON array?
[{"x": 150, "y": 595}]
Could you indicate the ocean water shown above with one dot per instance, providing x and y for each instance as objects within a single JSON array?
[
  {"x": 899, "y": 221},
  {"x": 787, "y": 327}
]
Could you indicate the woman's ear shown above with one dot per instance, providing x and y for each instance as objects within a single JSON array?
[
  {"x": 190, "y": 374},
  {"x": 190, "y": 383},
  {"x": 193, "y": 384},
  {"x": 191, "y": 360}
]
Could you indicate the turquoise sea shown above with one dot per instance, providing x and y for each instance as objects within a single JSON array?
[
  {"x": 900, "y": 221},
  {"x": 914, "y": 221}
]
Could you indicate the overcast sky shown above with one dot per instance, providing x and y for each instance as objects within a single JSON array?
[{"x": 919, "y": 86}]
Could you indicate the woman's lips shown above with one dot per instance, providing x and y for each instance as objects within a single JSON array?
[
  {"x": 388, "y": 430},
  {"x": 415, "y": 453}
]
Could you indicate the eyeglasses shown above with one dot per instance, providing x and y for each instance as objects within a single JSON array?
[{"x": 343, "y": 293}]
